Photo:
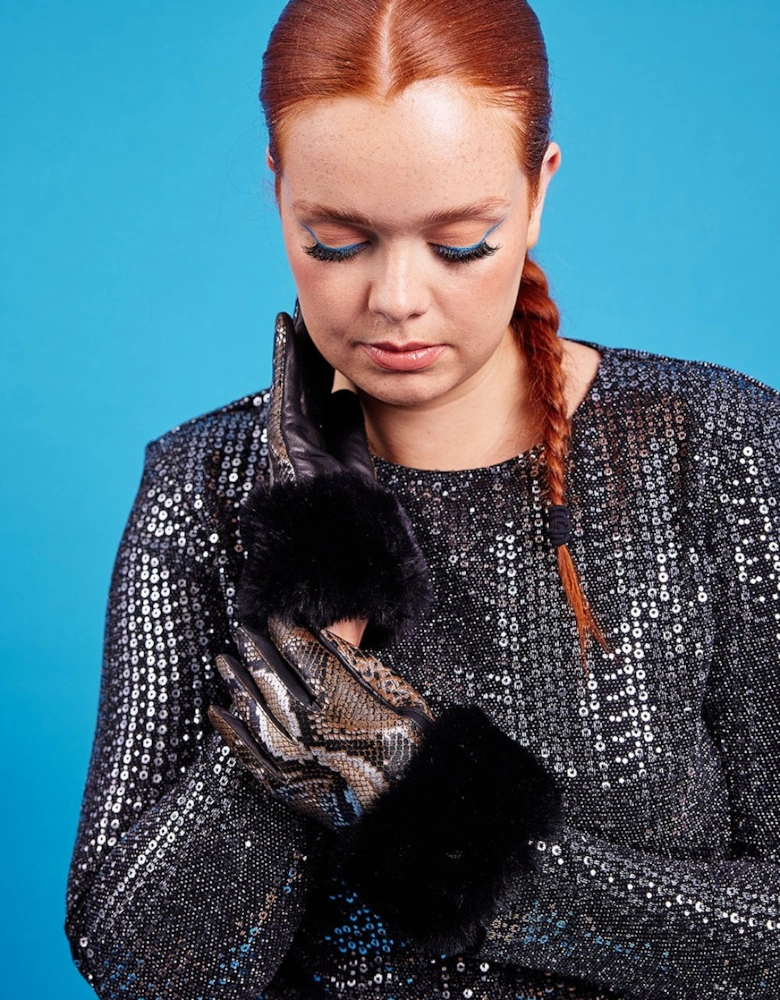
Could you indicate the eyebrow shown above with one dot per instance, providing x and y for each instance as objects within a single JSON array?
[{"x": 324, "y": 213}]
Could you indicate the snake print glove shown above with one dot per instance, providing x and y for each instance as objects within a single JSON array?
[
  {"x": 322, "y": 724},
  {"x": 451, "y": 806}
]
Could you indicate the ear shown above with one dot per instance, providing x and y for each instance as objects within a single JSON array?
[
  {"x": 550, "y": 164},
  {"x": 269, "y": 162}
]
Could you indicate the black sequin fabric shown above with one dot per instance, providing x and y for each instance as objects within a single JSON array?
[{"x": 189, "y": 881}]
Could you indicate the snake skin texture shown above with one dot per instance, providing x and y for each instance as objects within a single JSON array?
[
  {"x": 282, "y": 461},
  {"x": 327, "y": 736},
  {"x": 189, "y": 880}
]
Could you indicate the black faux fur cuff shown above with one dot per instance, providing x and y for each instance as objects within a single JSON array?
[
  {"x": 327, "y": 548},
  {"x": 440, "y": 848}
]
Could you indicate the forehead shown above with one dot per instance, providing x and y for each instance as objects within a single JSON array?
[{"x": 430, "y": 148}]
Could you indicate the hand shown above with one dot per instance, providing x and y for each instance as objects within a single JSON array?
[
  {"x": 312, "y": 431},
  {"x": 351, "y": 629},
  {"x": 325, "y": 543},
  {"x": 322, "y": 724}
]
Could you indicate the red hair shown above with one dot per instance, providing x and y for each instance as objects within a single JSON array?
[{"x": 323, "y": 49}]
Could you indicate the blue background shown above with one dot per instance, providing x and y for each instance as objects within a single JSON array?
[{"x": 142, "y": 268}]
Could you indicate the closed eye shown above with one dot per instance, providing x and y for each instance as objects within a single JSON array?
[
  {"x": 462, "y": 255},
  {"x": 458, "y": 255},
  {"x": 321, "y": 251}
]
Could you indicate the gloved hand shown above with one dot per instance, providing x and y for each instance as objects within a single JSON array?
[
  {"x": 437, "y": 817},
  {"x": 325, "y": 542},
  {"x": 312, "y": 431},
  {"x": 324, "y": 726}
]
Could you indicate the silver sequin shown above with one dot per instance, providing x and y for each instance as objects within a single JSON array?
[{"x": 189, "y": 881}]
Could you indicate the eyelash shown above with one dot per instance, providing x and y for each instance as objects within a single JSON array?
[
  {"x": 320, "y": 252},
  {"x": 458, "y": 256},
  {"x": 452, "y": 255}
]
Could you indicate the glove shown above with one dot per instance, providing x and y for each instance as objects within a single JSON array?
[
  {"x": 311, "y": 430},
  {"x": 438, "y": 818},
  {"x": 325, "y": 542},
  {"x": 324, "y": 726}
]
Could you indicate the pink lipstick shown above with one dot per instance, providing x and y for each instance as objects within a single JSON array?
[{"x": 404, "y": 357}]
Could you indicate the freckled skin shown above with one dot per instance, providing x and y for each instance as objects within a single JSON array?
[{"x": 433, "y": 148}]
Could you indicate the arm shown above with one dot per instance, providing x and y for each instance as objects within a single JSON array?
[
  {"x": 464, "y": 851},
  {"x": 187, "y": 877},
  {"x": 648, "y": 926},
  {"x": 645, "y": 925},
  {"x": 657, "y": 927}
]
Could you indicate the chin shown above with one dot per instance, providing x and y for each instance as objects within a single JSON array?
[{"x": 403, "y": 390}]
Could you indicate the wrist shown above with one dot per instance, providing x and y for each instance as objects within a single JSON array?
[
  {"x": 330, "y": 548},
  {"x": 441, "y": 848}
]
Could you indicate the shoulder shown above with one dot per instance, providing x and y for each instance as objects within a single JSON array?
[
  {"x": 706, "y": 395},
  {"x": 210, "y": 462},
  {"x": 234, "y": 423},
  {"x": 714, "y": 425}
]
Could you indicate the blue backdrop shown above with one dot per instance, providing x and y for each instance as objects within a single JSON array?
[{"x": 142, "y": 268}]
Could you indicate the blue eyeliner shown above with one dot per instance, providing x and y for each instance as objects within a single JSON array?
[
  {"x": 475, "y": 246},
  {"x": 319, "y": 243},
  {"x": 453, "y": 255}
]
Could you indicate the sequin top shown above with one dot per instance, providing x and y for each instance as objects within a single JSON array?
[{"x": 189, "y": 881}]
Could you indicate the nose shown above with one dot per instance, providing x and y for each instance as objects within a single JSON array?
[{"x": 399, "y": 290}]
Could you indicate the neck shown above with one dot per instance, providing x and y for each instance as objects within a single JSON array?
[{"x": 483, "y": 421}]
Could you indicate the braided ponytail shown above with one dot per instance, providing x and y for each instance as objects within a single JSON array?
[{"x": 536, "y": 321}]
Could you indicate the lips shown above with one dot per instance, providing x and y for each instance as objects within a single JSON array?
[{"x": 404, "y": 357}]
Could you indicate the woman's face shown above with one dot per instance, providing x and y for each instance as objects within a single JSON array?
[{"x": 406, "y": 224}]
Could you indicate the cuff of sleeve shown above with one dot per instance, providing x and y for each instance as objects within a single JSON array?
[
  {"x": 440, "y": 849},
  {"x": 327, "y": 548}
]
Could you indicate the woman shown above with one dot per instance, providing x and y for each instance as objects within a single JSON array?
[{"x": 583, "y": 797}]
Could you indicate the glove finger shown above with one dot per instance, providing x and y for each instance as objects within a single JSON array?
[
  {"x": 281, "y": 464},
  {"x": 372, "y": 674},
  {"x": 256, "y": 647},
  {"x": 299, "y": 388},
  {"x": 324, "y": 797},
  {"x": 308, "y": 383},
  {"x": 312, "y": 661},
  {"x": 344, "y": 431},
  {"x": 313, "y": 371},
  {"x": 236, "y": 678},
  {"x": 242, "y": 745},
  {"x": 253, "y": 698},
  {"x": 265, "y": 705}
]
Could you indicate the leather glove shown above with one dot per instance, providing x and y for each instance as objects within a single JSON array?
[
  {"x": 438, "y": 818},
  {"x": 325, "y": 542},
  {"x": 439, "y": 815},
  {"x": 312, "y": 431},
  {"x": 322, "y": 724}
]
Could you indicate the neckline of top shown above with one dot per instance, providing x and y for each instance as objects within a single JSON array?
[{"x": 384, "y": 465}]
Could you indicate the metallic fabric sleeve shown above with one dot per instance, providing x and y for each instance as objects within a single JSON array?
[
  {"x": 641, "y": 922},
  {"x": 187, "y": 876}
]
